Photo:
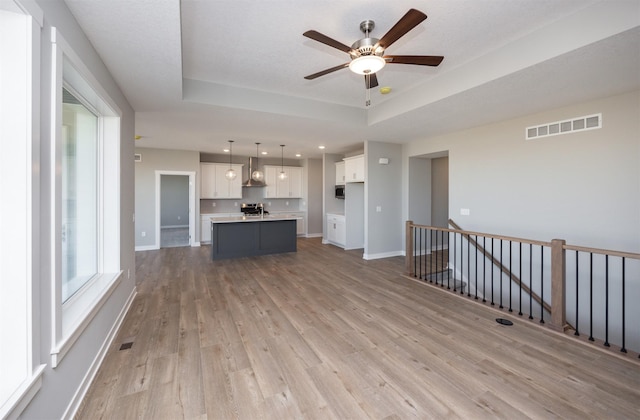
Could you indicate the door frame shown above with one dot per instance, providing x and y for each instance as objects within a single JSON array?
[{"x": 192, "y": 204}]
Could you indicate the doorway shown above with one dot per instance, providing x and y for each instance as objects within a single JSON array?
[{"x": 175, "y": 219}]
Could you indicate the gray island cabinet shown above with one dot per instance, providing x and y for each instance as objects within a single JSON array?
[{"x": 247, "y": 236}]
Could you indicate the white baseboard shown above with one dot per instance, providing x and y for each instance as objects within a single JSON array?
[
  {"x": 146, "y": 248},
  {"x": 174, "y": 226},
  {"x": 195, "y": 244},
  {"x": 383, "y": 255},
  {"x": 74, "y": 405},
  {"x": 313, "y": 235}
]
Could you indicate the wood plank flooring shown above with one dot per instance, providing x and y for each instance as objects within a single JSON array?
[{"x": 323, "y": 334}]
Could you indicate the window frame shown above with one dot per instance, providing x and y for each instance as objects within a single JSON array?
[
  {"x": 21, "y": 123},
  {"x": 69, "y": 319}
]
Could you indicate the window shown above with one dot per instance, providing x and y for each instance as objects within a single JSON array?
[
  {"x": 20, "y": 28},
  {"x": 85, "y": 221},
  {"x": 79, "y": 194}
]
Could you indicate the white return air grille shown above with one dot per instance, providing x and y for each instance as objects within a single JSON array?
[{"x": 589, "y": 122}]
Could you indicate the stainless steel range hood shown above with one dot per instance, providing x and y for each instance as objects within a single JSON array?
[{"x": 252, "y": 182}]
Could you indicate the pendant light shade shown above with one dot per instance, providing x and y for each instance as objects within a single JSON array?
[
  {"x": 230, "y": 174},
  {"x": 257, "y": 175},
  {"x": 282, "y": 175}
]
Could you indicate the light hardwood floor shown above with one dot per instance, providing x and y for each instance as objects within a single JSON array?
[{"x": 323, "y": 334}]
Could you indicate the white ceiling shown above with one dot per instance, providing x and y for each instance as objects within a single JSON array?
[{"x": 201, "y": 72}]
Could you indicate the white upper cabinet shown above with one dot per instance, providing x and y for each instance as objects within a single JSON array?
[
  {"x": 290, "y": 187},
  {"x": 354, "y": 168},
  {"x": 340, "y": 173},
  {"x": 213, "y": 183}
]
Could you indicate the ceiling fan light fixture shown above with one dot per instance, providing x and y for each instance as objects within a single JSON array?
[{"x": 367, "y": 64}]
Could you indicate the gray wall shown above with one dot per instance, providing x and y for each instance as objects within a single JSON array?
[
  {"x": 174, "y": 200},
  {"x": 145, "y": 181},
  {"x": 60, "y": 384},
  {"x": 383, "y": 188},
  {"x": 419, "y": 191},
  {"x": 583, "y": 187},
  {"x": 330, "y": 203},
  {"x": 440, "y": 192},
  {"x": 314, "y": 197}
]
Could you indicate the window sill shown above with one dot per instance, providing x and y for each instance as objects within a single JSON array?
[
  {"x": 13, "y": 407},
  {"x": 78, "y": 312}
]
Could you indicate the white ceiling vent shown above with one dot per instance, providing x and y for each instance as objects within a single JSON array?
[{"x": 589, "y": 122}]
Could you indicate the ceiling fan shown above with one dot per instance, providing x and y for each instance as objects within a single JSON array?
[{"x": 367, "y": 54}]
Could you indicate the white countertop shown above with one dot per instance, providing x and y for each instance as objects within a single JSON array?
[{"x": 265, "y": 218}]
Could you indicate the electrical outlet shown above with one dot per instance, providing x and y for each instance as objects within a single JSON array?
[
  {"x": 213, "y": 204},
  {"x": 128, "y": 273},
  {"x": 286, "y": 203},
  {"x": 178, "y": 217},
  {"x": 143, "y": 234},
  {"x": 378, "y": 209},
  {"x": 464, "y": 212}
]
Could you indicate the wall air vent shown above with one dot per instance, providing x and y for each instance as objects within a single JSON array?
[
  {"x": 589, "y": 122},
  {"x": 137, "y": 157}
]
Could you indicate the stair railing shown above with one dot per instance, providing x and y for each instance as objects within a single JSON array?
[{"x": 546, "y": 269}]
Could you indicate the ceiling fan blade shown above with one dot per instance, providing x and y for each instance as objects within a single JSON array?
[
  {"x": 419, "y": 60},
  {"x": 327, "y": 71},
  {"x": 406, "y": 23},
  {"x": 370, "y": 80},
  {"x": 317, "y": 36}
]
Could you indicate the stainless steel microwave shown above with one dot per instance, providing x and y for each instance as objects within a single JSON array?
[{"x": 340, "y": 191}]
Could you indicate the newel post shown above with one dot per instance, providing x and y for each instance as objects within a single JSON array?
[
  {"x": 558, "y": 285},
  {"x": 408, "y": 248}
]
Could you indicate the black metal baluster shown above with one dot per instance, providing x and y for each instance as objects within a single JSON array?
[
  {"x": 492, "y": 270},
  {"x": 424, "y": 253},
  {"x": 623, "y": 349},
  {"x": 500, "y": 278},
  {"x": 476, "y": 276},
  {"x": 419, "y": 251},
  {"x": 484, "y": 287},
  {"x": 431, "y": 264},
  {"x": 441, "y": 253},
  {"x": 520, "y": 274},
  {"x": 591, "y": 297},
  {"x": 510, "y": 276},
  {"x": 455, "y": 254},
  {"x": 448, "y": 259},
  {"x": 541, "y": 284},
  {"x": 417, "y": 262},
  {"x": 531, "y": 288},
  {"x": 606, "y": 301},
  {"x": 484, "y": 263},
  {"x": 469, "y": 265},
  {"x": 577, "y": 294}
]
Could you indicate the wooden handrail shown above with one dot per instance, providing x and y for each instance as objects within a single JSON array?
[
  {"x": 602, "y": 251},
  {"x": 487, "y": 235},
  {"x": 498, "y": 264}
]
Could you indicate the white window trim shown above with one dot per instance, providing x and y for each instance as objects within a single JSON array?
[
  {"x": 70, "y": 319},
  {"x": 24, "y": 204}
]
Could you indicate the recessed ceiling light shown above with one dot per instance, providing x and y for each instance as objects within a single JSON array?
[
  {"x": 264, "y": 153},
  {"x": 320, "y": 147},
  {"x": 225, "y": 150},
  {"x": 298, "y": 155}
]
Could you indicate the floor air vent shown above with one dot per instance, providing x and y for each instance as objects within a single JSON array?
[{"x": 589, "y": 122}]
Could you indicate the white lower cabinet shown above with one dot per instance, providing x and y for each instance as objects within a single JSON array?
[
  {"x": 205, "y": 224},
  {"x": 336, "y": 229}
]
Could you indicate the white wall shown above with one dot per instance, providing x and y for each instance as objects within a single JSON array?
[
  {"x": 60, "y": 385},
  {"x": 583, "y": 187}
]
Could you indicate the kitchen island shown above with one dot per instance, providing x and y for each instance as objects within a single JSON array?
[{"x": 247, "y": 236}]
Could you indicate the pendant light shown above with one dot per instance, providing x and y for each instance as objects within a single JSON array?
[
  {"x": 282, "y": 175},
  {"x": 257, "y": 175},
  {"x": 230, "y": 174}
]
